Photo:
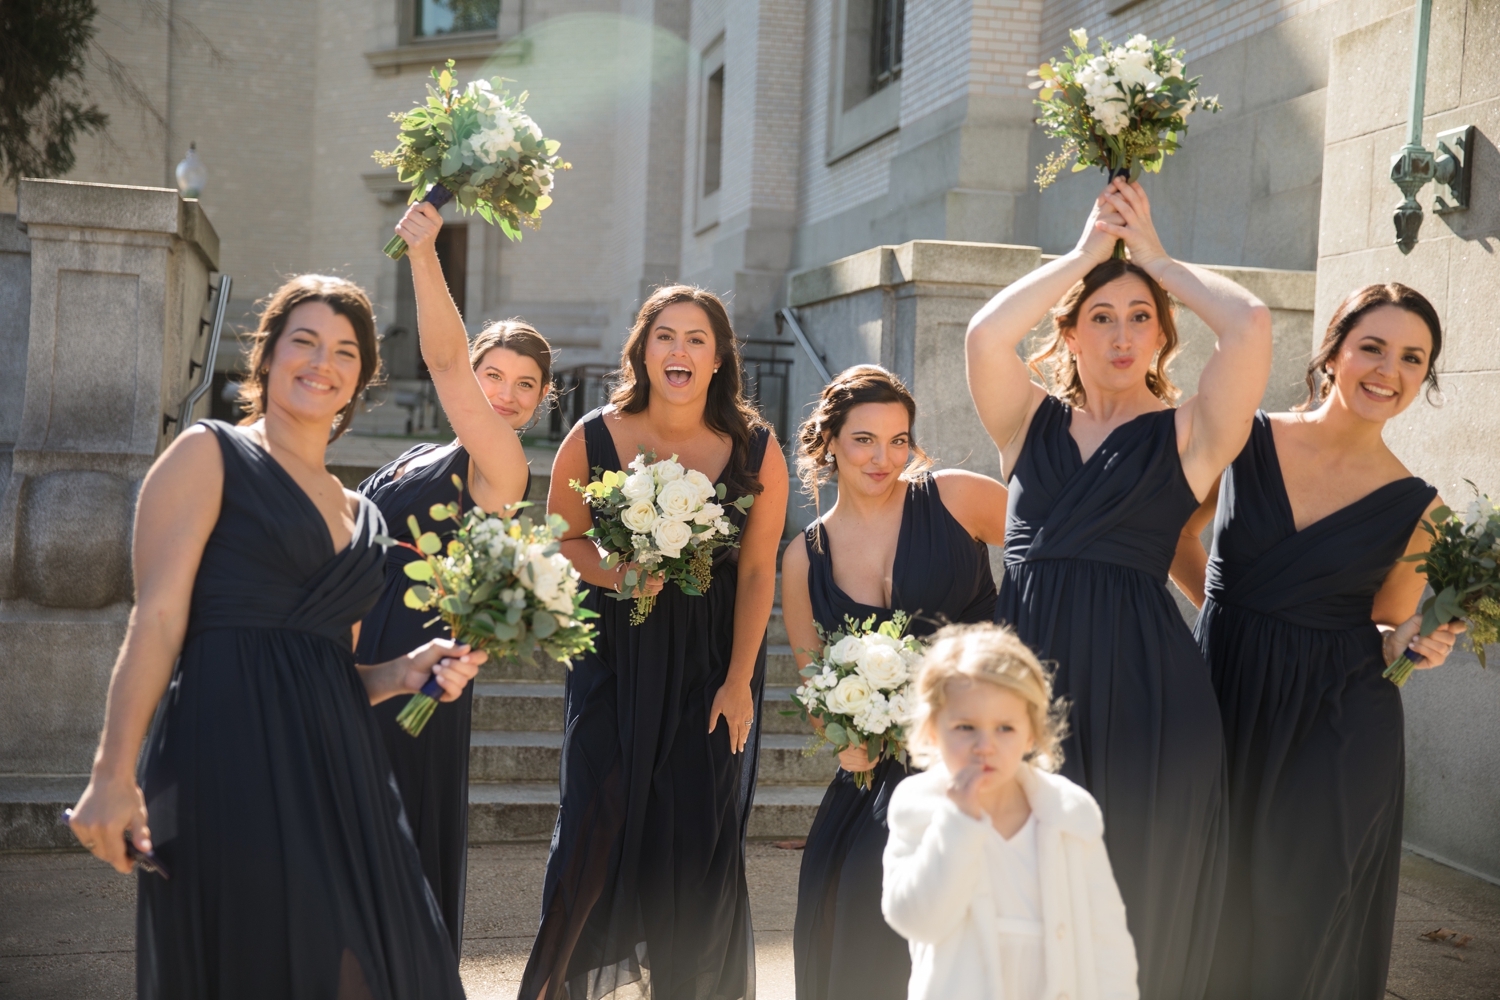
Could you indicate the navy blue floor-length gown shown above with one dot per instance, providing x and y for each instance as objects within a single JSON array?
[
  {"x": 842, "y": 945},
  {"x": 432, "y": 768},
  {"x": 646, "y": 877},
  {"x": 1087, "y": 549},
  {"x": 293, "y": 872},
  {"x": 1314, "y": 734}
]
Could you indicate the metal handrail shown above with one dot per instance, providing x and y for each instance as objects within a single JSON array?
[
  {"x": 209, "y": 357},
  {"x": 817, "y": 362}
]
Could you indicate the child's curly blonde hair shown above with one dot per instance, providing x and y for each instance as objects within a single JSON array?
[{"x": 994, "y": 655}]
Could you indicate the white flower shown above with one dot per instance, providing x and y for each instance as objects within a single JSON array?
[
  {"x": 543, "y": 178},
  {"x": 1139, "y": 43},
  {"x": 901, "y": 706},
  {"x": 1176, "y": 68},
  {"x": 1080, "y": 37},
  {"x": 668, "y": 470},
  {"x": 826, "y": 679},
  {"x": 640, "y": 517},
  {"x": 1134, "y": 69},
  {"x": 846, "y": 651},
  {"x": 490, "y": 144},
  {"x": 849, "y": 696},
  {"x": 698, "y": 481},
  {"x": 724, "y": 526},
  {"x": 543, "y": 577},
  {"x": 639, "y": 486},
  {"x": 671, "y": 536},
  {"x": 882, "y": 666},
  {"x": 876, "y": 717},
  {"x": 523, "y": 123},
  {"x": 708, "y": 514},
  {"x": 677, "y": 500},
  {"x": 1479, "y": 512}
]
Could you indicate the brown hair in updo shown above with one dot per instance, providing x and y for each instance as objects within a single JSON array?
[
  {"x": 343, "y": 297},
  {"x": 1355, "y": 307},
  {"x": 1056, "y": 364},
  {"x": 850, "y": 388},
  {"x": 521, "y": 337}
]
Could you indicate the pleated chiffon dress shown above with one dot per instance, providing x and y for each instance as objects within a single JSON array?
[
  {"x": 645, "y": 880},
  {"x": 841, "y": 943},
  {"x": 432, "y": 768},
  {"x": 1087, "y": 549},
  {"x": 1314, "y": 733},
  {"x": 293, "y": 872}
]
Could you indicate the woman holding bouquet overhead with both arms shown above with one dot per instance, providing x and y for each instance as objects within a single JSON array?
[
  {"x": 646, "y": 878},
  {"x": 264, "y": 779},
  {"x": 896, "y": 539},
  {"x": 489, "y": 392},
  {"x": 1304, "y": 604},
  {"x": 1102, "y": 477}
]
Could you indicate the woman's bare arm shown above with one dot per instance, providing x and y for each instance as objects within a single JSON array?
[
  {"x": 978, "y": 502},
  {"x": 796, "y": 603},
  {"x": 572, "y": 464},
  {"x": 1397, "y": 607},
  {"x": 1190, "y": 565}
]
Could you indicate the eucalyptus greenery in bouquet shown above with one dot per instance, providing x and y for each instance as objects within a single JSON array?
[
  {"x": 859, "y": 686},
  {"x": 500, "y": 584},
  {"x": 1463, "y": 569},
  {"x": 662, "y": 517},
  {"x": 476, "y": 144},
  {"x": 1122, "y": 110}
]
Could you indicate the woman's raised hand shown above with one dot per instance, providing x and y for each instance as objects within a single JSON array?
[
  {"x": 419, "y": 228},
  {"x": 1433, "y": 649},
  {"x": 1132, "y": 222},
  {"x": 452, "y": 664},
  {"x": 1096, "y": 244},
  {"x": 856, "y": 759},
  {"x": 107, "y": 810},
  {"x": 646, "y": 584}
]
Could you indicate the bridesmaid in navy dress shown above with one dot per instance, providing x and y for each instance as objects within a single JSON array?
[
  {"x": 897, "y": 539},
  {"x": 1103, "y": 473},
  {"x": 1304, "y": 604},
  {"x": 489, "y": 391},
  {"x": 267, "y": 791},
  {"x": 646, "y": 878}
]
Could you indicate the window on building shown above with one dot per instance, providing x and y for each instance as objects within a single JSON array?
[
  {"x": 865, "y": 94},
  {"x": 713, "y": 130},
  {"x": 888, "y": 19},
  {"x": 451, "y": 17}
]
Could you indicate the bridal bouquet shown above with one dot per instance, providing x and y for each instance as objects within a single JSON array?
[
  {"x": 662, "y": 517},
  {"x": 1124, "y": 109},
  {"x": 501, "y": 585},
  {"x": 476, "y": 144},
  {"x": 1463, "y": 569},
  {"x": 859, "y": 685}
]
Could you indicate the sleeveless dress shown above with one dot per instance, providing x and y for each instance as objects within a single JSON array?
[
  {"x": 271, "y": 801},
  {"x": 432, "y": 769},
  {"x": 1314, "y": 733},
  {"x": 646, "y": 876},
  {"x": 1087, "y": 549},
  {"x": 842, "y": 944}
]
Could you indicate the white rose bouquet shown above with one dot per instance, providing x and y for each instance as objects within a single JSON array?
[
  {"x": 1124, "y": 109},
  {"x": 662, "y": 517},
  {"x": 859, "y": 685},
  {"x": 501, "y": 585},
  {"x": 476, "y": 144}
]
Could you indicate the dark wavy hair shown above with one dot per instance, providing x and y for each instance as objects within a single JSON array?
[
  {"x": 1356, "y": 306},
  {"x": 343, "y": 297},
  {"x": 726, "y": 410},
  {"x": 850, "y": 388},
  {"x": 1057, "y": 366}
]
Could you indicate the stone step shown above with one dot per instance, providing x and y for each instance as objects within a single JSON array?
[
  {"x": 518, "y": 706},
  {"x": 504, "y": 756},
  {"x": 781, "y": 667},
  {"x": 31, "y": 810},
  {"x": 778, "y": 700},
  {"x": 776, "y": 628},
  {"x": 527, "y": 811},
  {"x": 540, "y": 669}
]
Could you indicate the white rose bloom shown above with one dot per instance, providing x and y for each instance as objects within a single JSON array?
[
  {"x": 668, "y": 470},
  {"x": 698, "y": 481},
  {"x": 900, "y": 705},
  {"x": 847, "y": 650},
  {"x": 639, "y": 486},
  {"x": 640, "y": 517},
  {"x": 1135, "y": 69},
  {"x": 708, "y": 514},
  {"x": 677, "y": 500},
  {"x": 880, "y": 639},
  {"x": 542, "y": 577},
  {"x": 671, "y": 536},
  {"x": 849, "y": 696},
  {"x": 882, "y": 667}
]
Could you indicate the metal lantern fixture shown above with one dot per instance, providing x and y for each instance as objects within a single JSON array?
[{"x": 192, "y": 175}]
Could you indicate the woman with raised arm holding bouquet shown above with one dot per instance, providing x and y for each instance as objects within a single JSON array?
[
  {"x": 268, "y": 792},
  {"x": 897, "y": 539},
  {"x": 646, "y": 878},
  {"x": 1103, "y": 472},
  {"x": 1305, "y": 600},
  {"x": 490, "y": 390}
]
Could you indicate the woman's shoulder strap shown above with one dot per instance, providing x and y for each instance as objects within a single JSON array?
[
  {"x": 759, "y": 437},
  {"x": 596, "y": 439}
]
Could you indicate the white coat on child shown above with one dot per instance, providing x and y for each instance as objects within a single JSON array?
[{"x": 939, "y": 893}]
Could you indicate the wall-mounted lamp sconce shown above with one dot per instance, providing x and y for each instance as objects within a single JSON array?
[{"x": 1414, "y": 166}]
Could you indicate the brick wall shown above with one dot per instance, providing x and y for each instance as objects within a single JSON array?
[{"x": 1200, "y": 27}]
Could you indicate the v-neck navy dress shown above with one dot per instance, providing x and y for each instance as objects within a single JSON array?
[
  {"x": 432, "y": 768},
  {"x": 1314, "y": 733},
  {"x": 842, "y": 945},
  {"x": 646, "y": 877},
  {"x": 1087, "y": 549},
  {"x": 293, "y": 872}
]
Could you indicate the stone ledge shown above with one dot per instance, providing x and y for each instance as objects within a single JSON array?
[
  {"x": 122, "y": 207},
  {"x": 507, "y": 52}
]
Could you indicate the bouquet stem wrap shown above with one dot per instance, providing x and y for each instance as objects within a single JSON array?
[
  {"x": 1119, "y": 252},
  {"x": 419, "y": 709},
  {"x": 437, "y": 196}
]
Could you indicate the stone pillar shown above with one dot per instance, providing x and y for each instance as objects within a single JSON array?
[
  {"x": 1452, "y": 758},
  {"x": 118, "y": 280}
]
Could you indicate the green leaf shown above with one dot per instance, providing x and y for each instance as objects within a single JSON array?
[
  {"x": 506, "y": 632},
  {"x": 836, "y": 734},
  {"x": 543, "y": 623},
  {"x": 412, "y": 526},
  {"x": 414, "y": 600},
  {"x": 720, "y": 490},
  {"x": 438, "y": 511},
  {"x": 418, "y": 569},
  {"x": 552, "y": 146},
  {"x": 429, "y": 543}
]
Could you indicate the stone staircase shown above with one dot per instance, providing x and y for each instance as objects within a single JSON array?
[{"x": 516, "y": 749}]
